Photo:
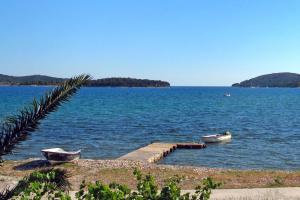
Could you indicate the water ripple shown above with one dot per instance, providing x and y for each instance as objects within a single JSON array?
[{"x": 109, "y": 122}]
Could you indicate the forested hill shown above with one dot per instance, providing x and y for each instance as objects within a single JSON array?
[
  {"x": 106, "y": 82},
  {"x": 127, "y": 82},
  {"x": 272, "y": 80},
  {"x": 29, "y": 80}
]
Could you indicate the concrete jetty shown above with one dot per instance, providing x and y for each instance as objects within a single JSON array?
[{"x": 156, "y": 151}]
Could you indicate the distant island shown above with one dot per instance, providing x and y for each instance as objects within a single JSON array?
[
  {"x": 272, "y": 80},
  {"x": 105, "y": 82},
  {"x": 127, "y": 82}
]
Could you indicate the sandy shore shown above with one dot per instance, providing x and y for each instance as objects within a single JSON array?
[{"x": 121, "y": 171}]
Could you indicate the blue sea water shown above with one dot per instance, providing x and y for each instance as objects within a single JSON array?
[{"x": 109, "y": 122}]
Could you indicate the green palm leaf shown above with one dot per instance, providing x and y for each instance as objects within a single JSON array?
[{"x": 16, "y": 128}]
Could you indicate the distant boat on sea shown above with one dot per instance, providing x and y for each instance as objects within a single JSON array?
[{"x": 227, "y": 94}]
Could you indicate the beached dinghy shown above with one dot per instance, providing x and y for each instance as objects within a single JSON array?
[
  {"x": 57, "y": 155},
  {"x": 222, "y": 137}
]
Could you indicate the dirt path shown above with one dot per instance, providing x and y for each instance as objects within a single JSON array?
[
  {"x": 257, "y": 194},
  {"x": 289, "y": 193}
]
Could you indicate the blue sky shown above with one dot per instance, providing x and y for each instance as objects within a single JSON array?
[{"x": 201, "y": 42}]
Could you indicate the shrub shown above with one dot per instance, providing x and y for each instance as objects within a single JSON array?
[
  {"x": 52, "y": 184},
  {"x": 37, "y": 184},
  {"x": 147, "y": 189}
]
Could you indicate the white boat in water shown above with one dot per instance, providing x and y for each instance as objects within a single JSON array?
[
  {"x": 222, "y": 137},
  {"x": 227, "y": 95},
  {"x": 58, "y": 155}
]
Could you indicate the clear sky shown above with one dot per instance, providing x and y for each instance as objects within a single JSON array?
[{"x": 201, "y": 42}]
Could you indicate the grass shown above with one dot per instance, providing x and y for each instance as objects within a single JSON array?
[{"x": 190, "y": 177}]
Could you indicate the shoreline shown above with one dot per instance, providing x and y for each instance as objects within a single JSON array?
[
  {"x": 121, "y": 171},
  {"x": 16, "y": 85}
]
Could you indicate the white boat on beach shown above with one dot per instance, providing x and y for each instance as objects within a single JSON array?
[
  {"x": 222, "y": 137},
  {"x": 58, "y": 155}
]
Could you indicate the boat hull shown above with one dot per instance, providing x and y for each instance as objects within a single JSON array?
[
  {"x": 216, "y": 138},
  {"x": 60, "y": 156}
]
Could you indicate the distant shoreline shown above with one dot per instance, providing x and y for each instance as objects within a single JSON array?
[
  {"x": 173, "y": 86},
  {"x": 41, "y": 80},
  {"x": 280, "y": 80},
  {"x": 3, "y": 85}
]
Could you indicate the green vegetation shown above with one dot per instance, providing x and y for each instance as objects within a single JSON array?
[
  {"x": 29, "y": 80},
  {"x": 126, "y": 82},
  {"x": 51, "y": 184},
  {"x": 106, "y": 82},
  {"x": 36, "y": 185},
  {"x": 16, "y": 128},
  {"x": 272, "y": 80},
  {"x": 277, "y": 182}
]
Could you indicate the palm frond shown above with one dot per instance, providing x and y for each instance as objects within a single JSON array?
[{"x": 16, "y": 128}]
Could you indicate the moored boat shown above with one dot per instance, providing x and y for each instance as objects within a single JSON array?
[
  {"x": 58, "y": 155},
  {"x": 221, "y": 137}
]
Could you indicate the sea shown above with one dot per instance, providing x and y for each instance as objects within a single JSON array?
[{"x": 106, "y": 123}]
